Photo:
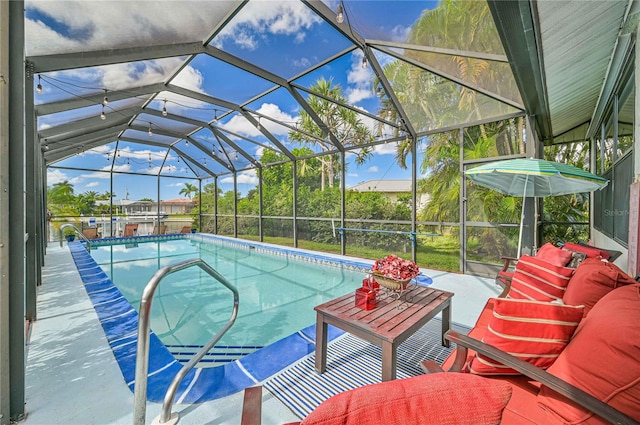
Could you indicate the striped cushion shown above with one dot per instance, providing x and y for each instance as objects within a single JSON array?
[
  {"x": 537, "y": 280},
  {"x": 533, "y": 331}
]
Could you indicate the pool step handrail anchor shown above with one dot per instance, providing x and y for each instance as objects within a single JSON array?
[{"x": 166, "y": 417}]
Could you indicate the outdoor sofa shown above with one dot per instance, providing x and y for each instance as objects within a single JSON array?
[{"x": 579, "y": 360}]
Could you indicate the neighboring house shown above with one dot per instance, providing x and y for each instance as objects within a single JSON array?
[
  {"x": 177, "y": 206},
  {"x": 392, "y": 189},
  {"x": 128, "y": 206},
  {"x": 171, "y": 206}
]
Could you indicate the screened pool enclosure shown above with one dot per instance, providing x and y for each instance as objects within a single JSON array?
[{"x": 335, "y": 126}]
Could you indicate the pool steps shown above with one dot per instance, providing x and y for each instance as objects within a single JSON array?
[{"x": 218, "y": 355}]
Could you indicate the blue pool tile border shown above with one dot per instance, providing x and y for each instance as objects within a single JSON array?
[
  {"x": 297, "y": 254},
  {"x": 314, "y": 257},
  {"x": 119, "y": 321}
]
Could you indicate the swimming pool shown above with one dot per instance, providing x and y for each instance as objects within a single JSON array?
[
  {"x": 277, "y": 293},
  {"x": 119, "y": 319}
]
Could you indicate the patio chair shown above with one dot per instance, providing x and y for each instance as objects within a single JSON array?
[
  {"x": 90, "y": 232},
  {"x": 185, "y": 229},
  {"x": 130, "y": 229},
  {"x": 159, "y": 231}
]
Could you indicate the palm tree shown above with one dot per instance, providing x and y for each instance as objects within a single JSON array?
[
  {"x": 188, "y": 190},
  {"x": 60, "y": 193},
  {"x": 343, "y": 123},
  {"x": 60, "y": 198}
]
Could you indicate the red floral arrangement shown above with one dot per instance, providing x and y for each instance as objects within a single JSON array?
[{"x": 396, "y": 268}]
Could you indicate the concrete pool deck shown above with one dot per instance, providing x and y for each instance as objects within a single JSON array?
[{"x": 73, "y": 378}]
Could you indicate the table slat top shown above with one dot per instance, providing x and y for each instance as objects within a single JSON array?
[{"x": 390, "y": 318}]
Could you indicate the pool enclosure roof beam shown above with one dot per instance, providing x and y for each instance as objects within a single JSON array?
[
  {"x": 177, "y": 150},
  {"x": 438, "y": 50},
  {"x": 224, "y": 21},
  {"x": 267, "y": 134},
  {"x": 198, "y": 164},
  {"x": 66, "y": 61},
  {"x": 96, "y": 99},
  {"x": 456, "y": 80},
  {"x": 85, "y": 125},
  {"x": 377, "y": 69},
  {"x": 289, "y": 126},
  {"x": 229, "y": 166},
  {"x": 67, "y": 151},
  {"x": 219, "y": 135},
  {"x": 344, "y": 105},
  {"x": 88, "y": 137}
]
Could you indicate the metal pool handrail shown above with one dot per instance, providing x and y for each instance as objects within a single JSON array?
[
  {"x": 74, "y": 228},
  {"x": 142, "y": 356}
]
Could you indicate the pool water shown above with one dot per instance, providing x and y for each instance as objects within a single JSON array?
[{"x": 277, "y": 293}]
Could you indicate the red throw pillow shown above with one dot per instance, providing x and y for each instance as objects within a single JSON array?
[
  {"x": 602, "y": 359},
  {"x": 533, "y": 331},
  {"x": 593, "y": 280},
  {"x": 591, "y": 251},
  {"x": 554, "y": 255},
  {"x": 439, "y": 398},
  {"x": 538, "y": 280}
]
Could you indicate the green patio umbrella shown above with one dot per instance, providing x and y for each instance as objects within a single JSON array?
[{"x": 534, "y": 178}]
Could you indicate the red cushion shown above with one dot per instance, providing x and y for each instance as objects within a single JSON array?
[
  {"x": 554, "y": 255},
  {"x": 591, "y": 251},
  {"x": 535, "y": 279},
  {"x": 533, "y": 331},
  {"x": 602, "y": 359},
  {"x": 592, "y": 280},
  {"x": 439, "y": 398}
]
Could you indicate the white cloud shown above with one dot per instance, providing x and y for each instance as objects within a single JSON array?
[
  {"x": 189, "y": 78},
  {"x": 246, "y": 177},
  {"x": 240, "y": 124},
  {"x": 123, "y": 167},
  {"x": 168, "y": 169},
  {"x": 99, "y": 150},
  {"x": 386, "y": 148},
  {"x": 56, "y": 176},
  {"x": 299, "y": 38},
  {"x": 373, "y": 169},
  {"x": 399, "y": 33},
  {"x": 352, "y": 175},
  {"x": 92, "y": 184},
  {"x": 245, "y": 40},
  {"x": 359, "y": 79},
  {"x": 302, "y": 63},
  {"x": 121, "y": 76},
  {"x": 355, "y": 95},
  {"x": 267, "y": 17}
]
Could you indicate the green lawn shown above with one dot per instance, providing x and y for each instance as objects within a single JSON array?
[{"x": 440, "y": 253}]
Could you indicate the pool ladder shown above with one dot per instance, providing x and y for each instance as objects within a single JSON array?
[
  {"x": 78, "y": 232},
  {"x": 142, "y": 354}
]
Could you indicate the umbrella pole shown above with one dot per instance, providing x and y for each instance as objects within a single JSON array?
[{"x": 524, "y": 199}]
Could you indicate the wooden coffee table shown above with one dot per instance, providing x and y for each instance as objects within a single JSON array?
[{"x": 386, "y": 326}]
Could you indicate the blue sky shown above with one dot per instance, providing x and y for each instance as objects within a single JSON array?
[{"x": 282, "y": 37}]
